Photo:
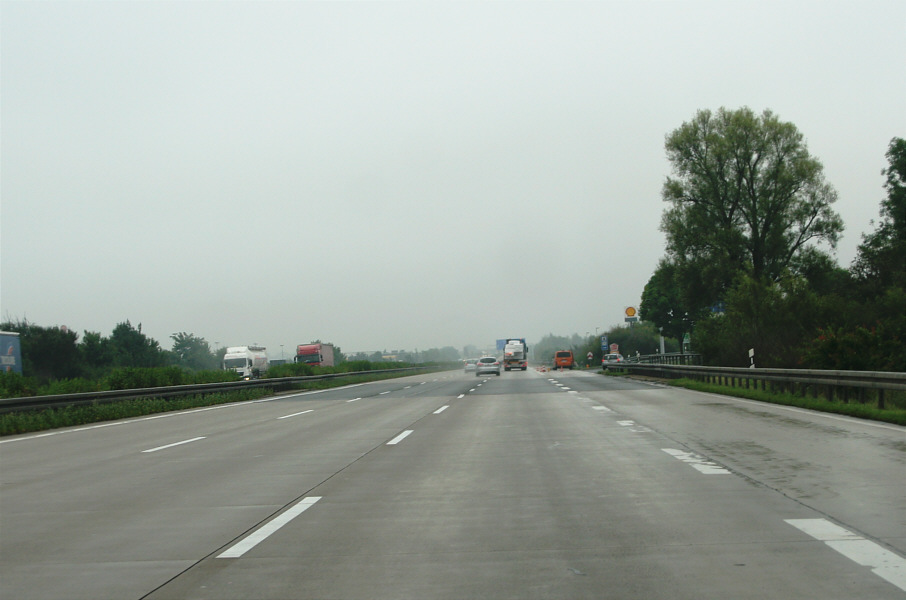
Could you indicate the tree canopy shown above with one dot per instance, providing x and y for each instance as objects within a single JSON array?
[{"x": 747, "y": 196}]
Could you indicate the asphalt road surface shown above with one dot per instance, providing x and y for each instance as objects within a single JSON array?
[{"x": 528, "y": 485}]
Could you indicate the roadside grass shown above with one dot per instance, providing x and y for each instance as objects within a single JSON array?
[
  {"x": 893, "y": 412},
  {"x": 71, "y": 416}
]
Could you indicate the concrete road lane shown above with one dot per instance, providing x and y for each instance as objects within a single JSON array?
[
  {"x": 522, "y": 489},
  {"x": 526, "y": 485}
]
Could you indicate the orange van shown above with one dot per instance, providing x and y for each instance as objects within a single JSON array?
[{"x": 564, "y": 359}]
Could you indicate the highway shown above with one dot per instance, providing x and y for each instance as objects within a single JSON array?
[{"x": 528, "y": 485}]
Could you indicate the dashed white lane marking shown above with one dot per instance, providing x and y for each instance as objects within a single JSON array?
[
  {"x": 296, "y": 414},
  {"x": 460, "y": 396},
  {"x": 195, "y": 439},
  {"x": 698, "y": 462},
  {"x": 399, "y": 438},
  {"x": 601, "y": 408},
  {"x": 264, "y": 532},
  {"x": 883, "y": 563},
  {"x": 441, "y": 409},
  {"x": 382, "y": 393},
  {"x": 354, "y": 399}
]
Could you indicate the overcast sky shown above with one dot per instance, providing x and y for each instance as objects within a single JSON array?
[{"x": 395, "y": 175}]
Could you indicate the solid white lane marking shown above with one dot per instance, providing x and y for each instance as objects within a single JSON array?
[
  {"x": 269, "y": 528},
  {"x": 698, "y": 462},
  {"x": 172, "y": 445},
  {"x": 296, "y": 414},
  {"x": 441, "y": 409},
  {"x": 883, "y": 562},
  {"x": 399, "y": 438}
]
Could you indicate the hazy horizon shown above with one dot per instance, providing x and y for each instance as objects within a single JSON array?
[{"x": 405, "y": 175}]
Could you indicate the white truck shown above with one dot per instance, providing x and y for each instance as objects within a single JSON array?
[
  {"x": 515, "y": 354},
  {"x": 250, "y": 362}
]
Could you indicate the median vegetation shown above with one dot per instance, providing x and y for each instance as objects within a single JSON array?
[{"x": 13, "y": 385}]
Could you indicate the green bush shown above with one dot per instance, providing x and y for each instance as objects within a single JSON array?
[
  {"x": 290, "y": 370},
  {"x": 129, "y": 378},
  {"x": 69, "y": 386},
  {"x": 15, "y": 385}
]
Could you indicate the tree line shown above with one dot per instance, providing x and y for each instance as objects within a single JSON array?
[
  {"x": 57, "y": 360},
  {"x": 750, "y": 228}
]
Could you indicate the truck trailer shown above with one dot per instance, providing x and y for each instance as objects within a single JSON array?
[
  {"x": 10, "y": 352},
  {"x": 515, "y": 354},
  {"x": 250, "y": 362},
  {"x": 316, "y": 355}
]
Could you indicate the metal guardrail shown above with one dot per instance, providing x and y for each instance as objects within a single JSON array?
[
  {"x": 842, "y": 384},
  {"x": 31, "y": 403}
]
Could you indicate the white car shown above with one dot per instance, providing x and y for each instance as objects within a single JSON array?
[
  {"x": 487, "y": 364},
  {"x": 470, "y": 364},
  {"x": 611, "y": 359}
]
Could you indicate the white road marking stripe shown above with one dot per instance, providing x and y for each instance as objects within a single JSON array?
[
  {"x": 354, "y": 399},
  {"x": 399, "y": 438},
  {"x": 269, "y": 528},
  {"x": 705, "y": 466},
  {"x": 601, "y": 408},
  {"x": 382, "y": 393},
  {"x": 884, "y": 563},
  {"x": 629, "y": 424},
  {"x": 441, "y": 409},
  {"x": 171, "y": 445},
  {"x": 460, "y": 396},
  {"x": 296, "y": 414}
]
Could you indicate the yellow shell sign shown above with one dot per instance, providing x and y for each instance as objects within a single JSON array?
[{"x": 631, "y": 312}]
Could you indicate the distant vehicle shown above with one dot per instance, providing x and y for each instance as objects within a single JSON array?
[
  {"x": 470, "y": 364},
  {"x": 611, "y": 359},
  {"x": 564, "y": 359},
  {"x": 487, "y": 364},
  {"x": 515, "y": 354},
  {"x": 10, "y": 352},
  {"x": 250, "y": 362},
  {"x": 316, "y": 355}
]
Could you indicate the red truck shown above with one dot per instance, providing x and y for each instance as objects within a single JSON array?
[{"x": 316, "y": 355}]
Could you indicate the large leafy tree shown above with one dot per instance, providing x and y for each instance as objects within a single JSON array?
[
  {"x": 193, "y": 352},
  {"x": 662, "y": 303},
  {"x": 880, "y": 263},
  {"x": 873, "y": 336},
  {"x": 131, "y": 348},
  {"x": 746, "y": 197}
]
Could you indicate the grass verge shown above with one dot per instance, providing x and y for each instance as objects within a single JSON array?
[{"x": 892, "y": 413}]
